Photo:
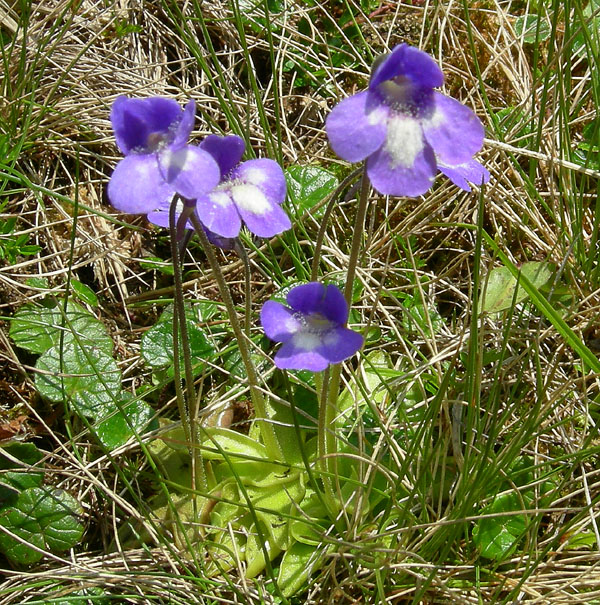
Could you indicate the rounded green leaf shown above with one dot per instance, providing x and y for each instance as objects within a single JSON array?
[
  {"x": 84, "y": 293},
  {"x": 49, "y": 519},
  {"x": 19, "y": 476},
  {"x": 296, "y": 566},
  {"x": 131, "y": 418},
  {"x": 233, "y": 443},
  {"x": 500, "y": 292},
  {"x": 498, "y": 537},
  {"x": 37, "y": 328},
  {"x": 88, "y": 378},
  {"x": 157, "y": 342},
  {"x": 308, "y": 185},
  {"x": 533, "y": 28}
]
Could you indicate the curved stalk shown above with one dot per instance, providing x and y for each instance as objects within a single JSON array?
[
  {"x": 187, "y": 403},
  {"x": 325, "y": 220},
  {"x": 258, "y": 401},
  {"x": 330, "y": 392}
]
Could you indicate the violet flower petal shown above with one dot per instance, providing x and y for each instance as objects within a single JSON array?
[
  {"x": 225, "y": 243},
  {"x": 185, "y": 126},
  {"x": 410, "y": 62},
  {"x": 137, "y": 186},
  {"x": 340, "y": 344},
  {"x": 160, "y": 215},
  {"x": 218, "y": 213},
  {"x": 333, "y": 305},
  {"x": 278, "y": 321},
  {"x": 134, "y": 120},
  {"x": 454, "y": 131},
  {"x": 405, "y": 165},
  {"x": 471, "y": 171},
  {"x": 265, "y": 174},
  {"x": 356, "y": 127},
  {"x": 190, "y": 170},
  {"x": 258, "y": 188},
  {"x": 291, "y": 357},
  {"x": 307, "y": 298},
  {"x": 227, "y": 151}
]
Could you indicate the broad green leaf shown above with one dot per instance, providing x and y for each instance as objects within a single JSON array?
[
  {"x": 89, "y": 378},
  {"x": 34, "y": 328},
  {"x": 16, "y": 475},
  {"x": 37, "y": 328},
  {"x": 296, "y": 566},
  {"x": 157, "y": 342},
  {"x": 498, "y": 537},
  {"x": 530, "y": 25},
  {"x": 234, "y": 364},
  {"x": 275, "y": 501},
  {"x": 47, "y": 518},
  {"x": 372, "y": 384},
  {"x": 84, "y": 293},
  {"x": 37, "y": 282},
  {"x": 118, "y": 427},
  {"x": 308, "y": 185},
  {"x": 254, "y": 553},
  {"x": 501, "y": 285},
  {"x": 232, "y": 443}
]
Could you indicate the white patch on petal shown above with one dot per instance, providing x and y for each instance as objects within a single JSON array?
[
  {"x": 220, "y": 198},
  {"x": 376, "y": 116},
  {"x": 291, "y": 325},
  {"x": 404, "y": 141},
  {"x": 308, "y": 341},
  {"x": 435, "y": 121},
  {"x": 255, "y": 176},
  {"x": 179, "y": 160},
  {"x": 331, "y": 338},
  {"x": 250, "y": 198}
]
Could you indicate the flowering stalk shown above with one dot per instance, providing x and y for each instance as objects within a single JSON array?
[
  {"x": 266, "y": 428},
  {"x": 187, "y": 403},
  {"x": 241, "y": 251},
  {"x": 329, "y": 392},
  {"x": 325, "y": 220}
]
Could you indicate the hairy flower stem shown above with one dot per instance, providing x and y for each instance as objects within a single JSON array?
[
  {"x": 241, "y": 251},
  {"x": 187, "y": 403},
  {"x": 258, "y": 401},
  {"x": 314, "y": 273},
  {"x": 330, "y": 391},
  {"x": 322, "y": 382}
]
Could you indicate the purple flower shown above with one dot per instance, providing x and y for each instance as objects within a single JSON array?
[
  {"x": 405, "y": 129},
  {"x": 252, "y": 192},
  {"x": 312, "y": 329},
  {"x": 160, "y": 218},
  {"x": 152, "y": 134}
]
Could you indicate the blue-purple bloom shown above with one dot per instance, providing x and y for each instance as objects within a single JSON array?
[
  {"x": 312, "y": 328},
  {"x": 251, "y": 192},
  {"x": 406, "y": 130},
  {"x": 152, "y": 134}
]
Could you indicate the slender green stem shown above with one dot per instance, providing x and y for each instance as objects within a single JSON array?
[
  {"x": 314, "y": 273},
  {"x": 241, "y": 250},
  {"x": 190, "y": 404},
  {"x": 324, "y": 431},
  {"x": 181, "y": 401},
  {"x": 330, "y": 392},
  {"x": 258, "y": 401}
]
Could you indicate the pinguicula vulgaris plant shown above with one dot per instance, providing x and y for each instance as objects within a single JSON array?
[{"x": 405, "y": 132}]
